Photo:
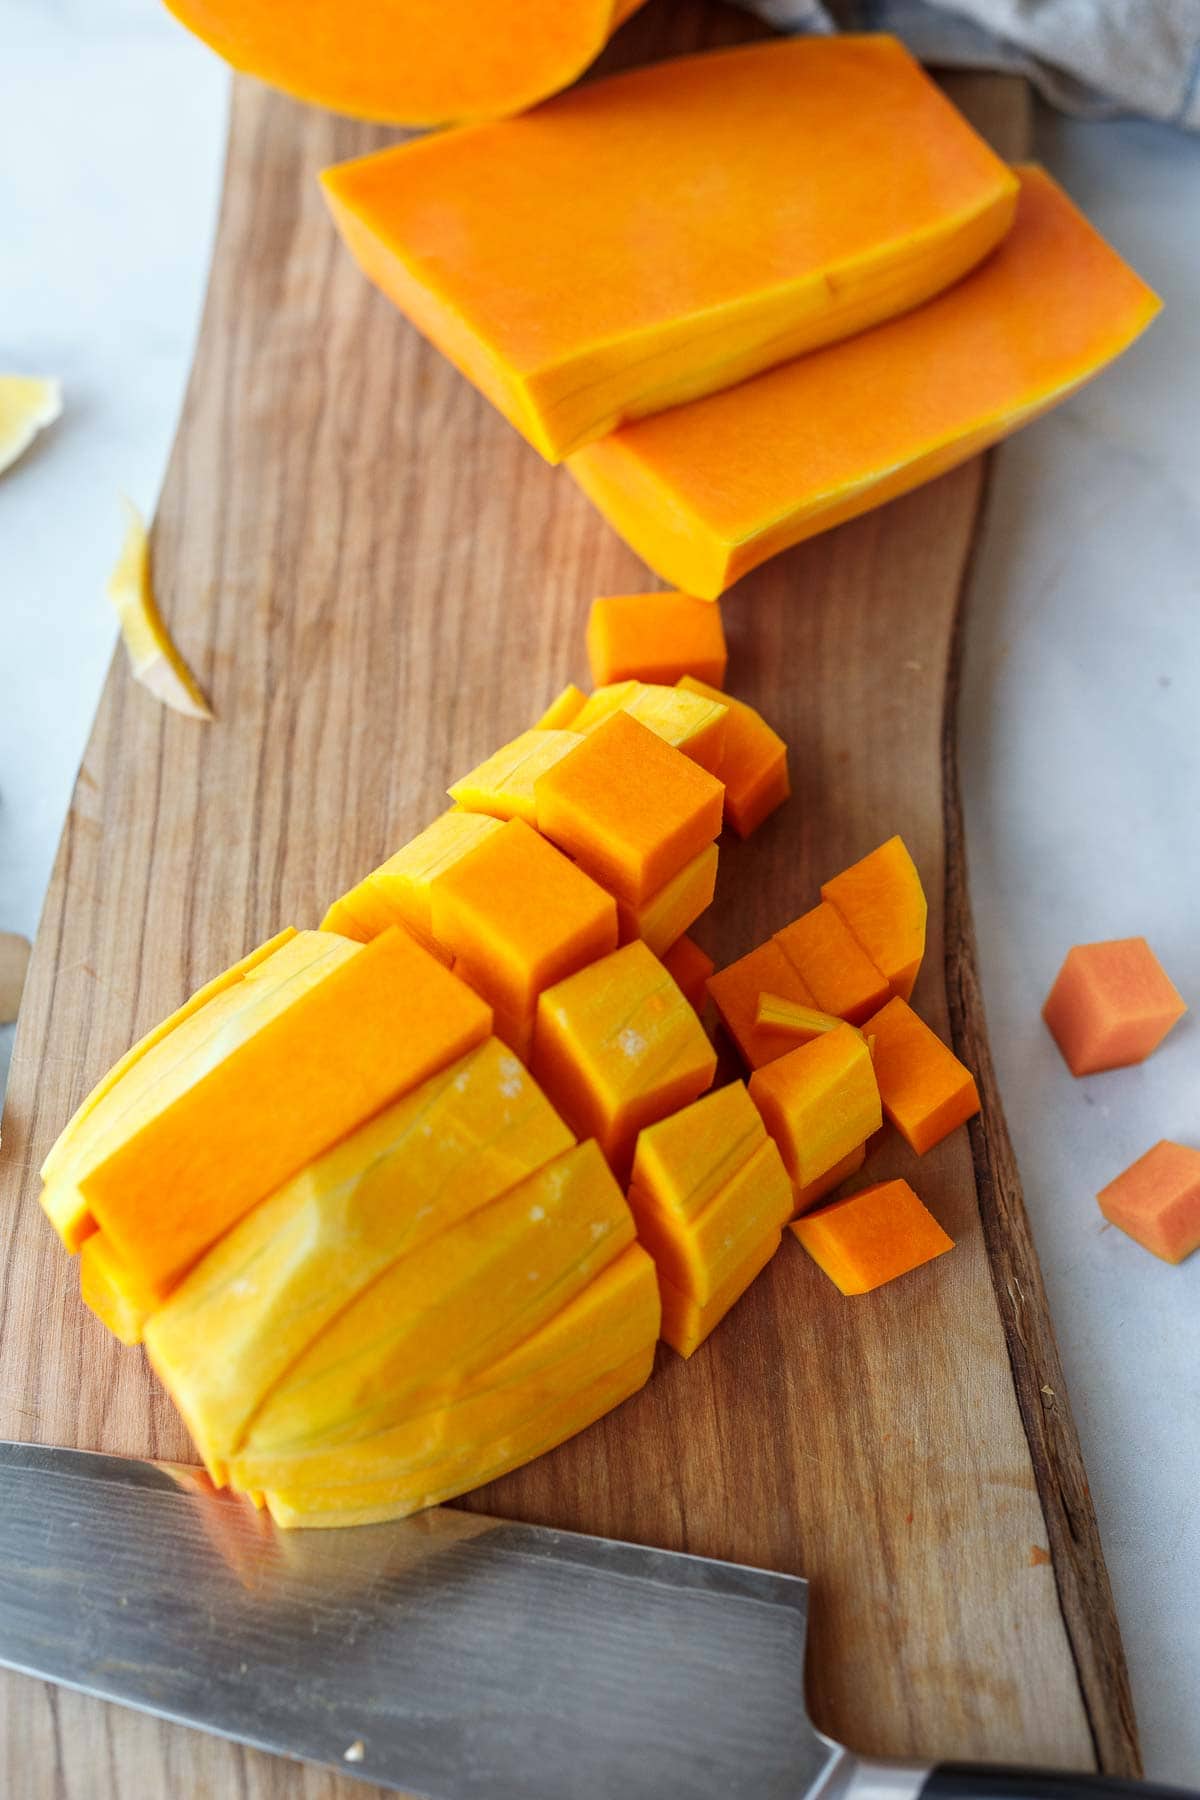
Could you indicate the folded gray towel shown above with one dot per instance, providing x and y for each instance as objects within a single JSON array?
[{"x": 1095, "y": 57}]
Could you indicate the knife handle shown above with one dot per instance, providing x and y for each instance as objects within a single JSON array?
[{"x": 988, "y": 1781}]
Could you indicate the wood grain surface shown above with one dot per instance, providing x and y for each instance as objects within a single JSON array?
[{"x": 377, "y": 582}]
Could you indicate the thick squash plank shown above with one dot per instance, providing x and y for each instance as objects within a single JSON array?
[
  {"x": 710, "y": 490},
  {"x": 409, "y": 62},
  {"x": 662, "y": 234}
]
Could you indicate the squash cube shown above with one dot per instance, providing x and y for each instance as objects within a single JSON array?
[
  {"x": 872, "y": 1237},
  {"x": 686, "y": 1322},
  {"x": 684, "y": 1160},
  {"x": 560, "y": 712},
  {"x": 693, "y": 723},
  {"x": 1111, "y": 1005},
  {"x": 735, "y": 992},
  {"x": 656, "y": 637},
  {"x": 689, "y": 967},
  {"x": 630, "y": 809},
  {"x": 397, "y": 892},
  {"x": 819, "y": 1102},
  {"x": 503, "y": 785},
  {"x": 833, "y": 964},
  {"x": 273, "y": 1283},
  {"x": 617, "y": 1046},
  {"x": 882, "y": 901},
  {"x": 1156, "y": 1201},
  {"x": 754, "y": 764},
  {"x": 167, "y": 1178},
  {"x": 805, "y": 1198},
  {"x": 662, "y": 919},
  {"x": 926, "y": 1092},
  {"x": 698, "y": 1253},
  {"x": 519, "y": 915}
]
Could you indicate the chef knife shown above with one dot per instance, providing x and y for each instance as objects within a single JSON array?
[{"x": 448, "y": 1655}]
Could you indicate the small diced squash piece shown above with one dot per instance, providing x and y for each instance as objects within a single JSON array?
[
  {"x": 617, "y": 1046},
  {"x": 108, "y": 1289},
  {"x": 687, "y": 1322},
  {"x": 872, "y": 1236},
  {"x": 684, "y": 1160},
  {"x": 754, "y": 765},
  {"x": 662, "y": 919},
  {"x": 735, "y": 992},
  {"x": 693, "y": 723},
  {"x": 637, "y": 241},
  {"x": 449, "y": 1309},
  {"x": 519, "y": 915},
  {"x": 791, "y": 1020},
  {"x": 560, "y": 712},
  {"x": 925, "y": 1090},
  {"x": 689, "y": 967},
  {"x": 28, "y": 403},
  {"x": 705, "y": 492},
  {"x": 630, "y": 809},
  {"x": 397, "y": 892},
  {"x": 882, "y": 901},
  {"x": 1156, "y": 1201},
  {"x": 503, "y": 785},
  {"x": 272, "y": 1284},
  {"x": 169, "y": 1182},
  {"x": 1112, "y": 1004},
  {"x": 804, "y": 1198},
  {"x": 819, "y": 1102},
  {"x": 656, "y": 637},
  {"x": 697, "y": 1254},
  {"x": 833, "y": 964}
]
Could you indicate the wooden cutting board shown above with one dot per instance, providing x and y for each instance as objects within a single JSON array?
[{"x": 377, "y": 582}]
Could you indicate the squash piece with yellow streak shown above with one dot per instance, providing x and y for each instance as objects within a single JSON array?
[
  {"x": 398, "y": 891},
  {"x": 153, "y": 658},
  {"x": 28, "y": 403},
  {"x": 691, "y": 722}
]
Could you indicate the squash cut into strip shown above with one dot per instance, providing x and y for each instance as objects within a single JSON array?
[
  {"x": 708, "y": 491},
  {"x": 576, "y": 289}
]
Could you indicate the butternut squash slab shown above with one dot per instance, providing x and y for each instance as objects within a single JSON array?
[
  {"x": 710, "y": 490},
  {"x": 665, "y": 233}
]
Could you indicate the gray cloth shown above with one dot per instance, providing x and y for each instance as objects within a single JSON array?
[{"x": 1095, "y": 57}]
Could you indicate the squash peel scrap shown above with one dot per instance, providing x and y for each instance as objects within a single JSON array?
[
  {"x": 153, "y": 658},
  {"x": 28, "y": 403}
]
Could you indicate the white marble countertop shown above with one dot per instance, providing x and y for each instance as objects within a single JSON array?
[{"x": 1081, "y": 711}]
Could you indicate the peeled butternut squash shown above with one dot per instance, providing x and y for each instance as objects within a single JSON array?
[
  {"x": 708, "y": 491},
  {"x": 409, "y": 62},
  {"x": 662, "y": 234}
]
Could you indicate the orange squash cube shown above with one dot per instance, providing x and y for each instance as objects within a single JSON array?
[
  {"x": 693, "y": 723},
  {"x": 1112, "y": 1004},
  {"x": 662, "y": 919},
  {"x": 735, "y": 991},
  {"x": 689, "y": 967},
  {"x": 805, "y": 1198},
  {"x": 882, "y": 901},
  {"x": 519, "y": 915},
  {"x": 1156, "y": 1201},
  {"x": 833, "y": 964},
  {"x": 656, "y": 637},
  {"x": 872, "y": 1236},
  {"x": 686, "y": 1322},
  {"x": 683, "y": 1162},
  {"x": 560, "y": 712},
  {"x": 397, "y": 892},
  {"x": 925, "y": 1090},
  {"x": 754, "y": 766},
  {"x": 503, "y": 785},
  {"x": 819, "y": 1102},
  {"x": 630, "y": 809},
  {"x": 200, "y": 1157},
  {"x": 617, "y": 1046}
]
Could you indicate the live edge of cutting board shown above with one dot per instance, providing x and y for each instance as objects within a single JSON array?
[{"x": 377, "y": 582}]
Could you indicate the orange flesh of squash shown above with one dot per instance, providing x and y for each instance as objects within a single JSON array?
[
  {"x": 687, "y": 1322},
  {"x": 804, "y": 1198},
  {"x": 683, "y": 1162},
  {"x": 735, "y": 992},
  {"x": 662, "y": 919},
  {"x": 833, "y": 964},
  {"x": 409, "y": 62},
  {"x": 882, "y": 901},
  {"x": 1157, "y": 1201},
  {"x": 1111, "y": 1005},
  {"x": 925, "y": 1090},
  {"x": 698, "y": 1255},
  {"x": 576, "y": 293},
  {"x": 397, "y": 892},
  {"x": 656, "y": 637},
  {"x": 708, "y": 491},
  {"x": 872, "y": 1237},
  {"x": 754, "y": 764},
  {"x": 819, "y": 1102},
  {"x": 689, "y": 968}
]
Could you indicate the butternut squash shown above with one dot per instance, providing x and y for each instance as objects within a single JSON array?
[
  {"x": 409, "y": 62},
  {"x": 710, "y": 490},
  {"x": 662, "y": 234},
  {"x": 1112, "y": 1004}
]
